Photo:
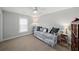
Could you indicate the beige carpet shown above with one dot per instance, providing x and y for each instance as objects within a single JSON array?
[{"x": 28, "y": 43}]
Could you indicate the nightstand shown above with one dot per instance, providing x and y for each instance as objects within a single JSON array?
[{"x": 63, "y": 40}]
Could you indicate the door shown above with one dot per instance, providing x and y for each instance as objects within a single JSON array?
[{"x": 0, "y": 25}]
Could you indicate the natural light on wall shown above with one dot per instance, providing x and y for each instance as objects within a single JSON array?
[
  {"x": 35, "y": 19},
  {"x": 23, "y": 25}
]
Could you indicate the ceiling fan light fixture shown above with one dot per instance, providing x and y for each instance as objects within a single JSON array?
[{"x": 35, "y": 11}]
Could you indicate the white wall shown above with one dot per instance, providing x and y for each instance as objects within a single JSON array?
[
  {"x": 11, "y": 25},
  {"x": 59, "y": 19},
  {"x": 1, "y": 25}
]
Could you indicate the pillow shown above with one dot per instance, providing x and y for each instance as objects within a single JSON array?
[
  {"x": 38, "y": 28},
  {"x": 54, "y": 30},
  {"x": 41, "y": 29},
  {"x": 45, "y": 29}
]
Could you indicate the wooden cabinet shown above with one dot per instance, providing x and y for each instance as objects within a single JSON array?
[
  {"x": 63, "y": 40},
  {"x": 75, "y": 35}
]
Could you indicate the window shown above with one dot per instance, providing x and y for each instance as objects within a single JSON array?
[{"x": 23, "y": 25}]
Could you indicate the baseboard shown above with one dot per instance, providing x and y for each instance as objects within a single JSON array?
[{"x": 15, "y": 36}]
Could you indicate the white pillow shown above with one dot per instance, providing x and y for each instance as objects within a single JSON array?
[{"x": 44, "y": 30}]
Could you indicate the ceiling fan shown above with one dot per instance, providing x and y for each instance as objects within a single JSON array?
[{"x": 35, "y": 10}]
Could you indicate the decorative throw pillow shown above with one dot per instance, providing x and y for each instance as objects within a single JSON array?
[
  {"x": 45, "y": 29},
  {"x": 41, "y": 29},
  {"x": 54, "y": 30},
  {"x": 38, "y": 28}
]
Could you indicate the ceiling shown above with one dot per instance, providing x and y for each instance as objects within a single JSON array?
[{"x": 29, "y": 10}]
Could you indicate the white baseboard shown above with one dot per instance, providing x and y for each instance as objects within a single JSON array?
[{"x": 15, "y": 36}]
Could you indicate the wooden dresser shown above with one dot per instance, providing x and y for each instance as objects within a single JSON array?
[{"x": 75, "y": 35}]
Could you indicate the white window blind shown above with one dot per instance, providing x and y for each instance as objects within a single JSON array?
[{"x": 23, "y": 25}]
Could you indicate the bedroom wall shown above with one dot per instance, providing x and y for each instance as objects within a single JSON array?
[
  {"x": 59, "y": 19},
  {"x": 11, "y": 25},
  {"x": 1, "y": 35}
]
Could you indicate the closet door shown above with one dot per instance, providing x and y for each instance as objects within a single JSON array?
[{"x": 0, "y": 25}]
